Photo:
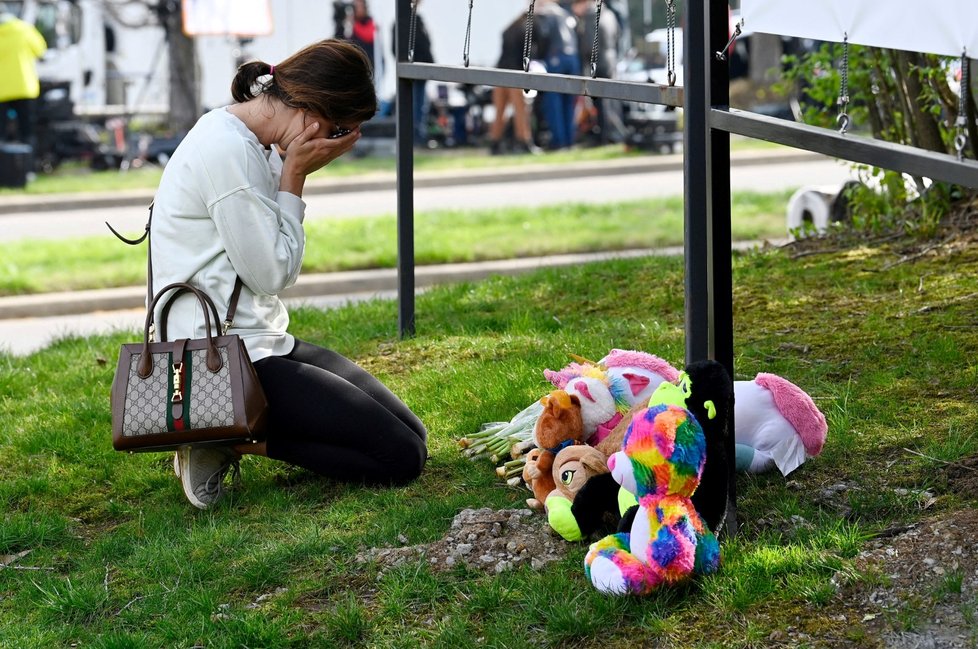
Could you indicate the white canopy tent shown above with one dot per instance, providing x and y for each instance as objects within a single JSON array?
[{"x": 947, "y": 27}]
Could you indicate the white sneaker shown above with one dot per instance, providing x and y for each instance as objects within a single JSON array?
[{"x": 202, "y": 472}]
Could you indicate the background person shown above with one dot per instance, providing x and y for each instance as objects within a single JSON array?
[
  {"x": 227, "y": 207},
  {"x": 554, "y": 33},
  {"x": 511, "y": 58},
  {"x": 364, "y": 32},
  {"x": 21, "y": 45},
  {"x": 610, "y": 125},
  {"x": 422, "y": 54}
]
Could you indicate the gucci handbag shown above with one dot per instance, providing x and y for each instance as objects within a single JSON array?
[{"x": 187, "y": 391}]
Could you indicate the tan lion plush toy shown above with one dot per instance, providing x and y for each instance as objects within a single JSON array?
[{"x": 559, "y": 426}]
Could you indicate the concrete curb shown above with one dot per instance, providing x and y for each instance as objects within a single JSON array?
[
  {"x": 383, "y": 181},
  {"x": 313, "y": 285}
]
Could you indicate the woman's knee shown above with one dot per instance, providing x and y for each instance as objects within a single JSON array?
[{"x": 409, "y": 461}]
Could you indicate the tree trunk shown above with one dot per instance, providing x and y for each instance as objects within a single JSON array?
[
  {"x": 923, "y": 125},
  {"x": 765, "y": 58},
  {"x": 184, "y": 77},
  {"x": 969, "y": 111}
]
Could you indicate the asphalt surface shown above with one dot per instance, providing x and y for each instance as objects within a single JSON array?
[
  {"x": 28, "y": 323},
  {"x": 49, "y": 217}
]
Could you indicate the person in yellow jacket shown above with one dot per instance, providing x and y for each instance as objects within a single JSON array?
[{"x": 20, "y": 47}]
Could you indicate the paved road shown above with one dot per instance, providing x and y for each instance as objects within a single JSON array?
[{"x": 59, "y": 224}]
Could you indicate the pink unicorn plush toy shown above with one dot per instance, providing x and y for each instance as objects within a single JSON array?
[{"x": 611, "y": 387}]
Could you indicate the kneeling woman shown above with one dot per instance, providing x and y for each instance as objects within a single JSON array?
[{"x": 228, "y": 206}]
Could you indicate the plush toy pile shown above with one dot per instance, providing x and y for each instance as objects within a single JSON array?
[
  {"x": 777, "y": 423},
  {"x": 560, "y": 446},
  {"x": 632, "y": 444}
]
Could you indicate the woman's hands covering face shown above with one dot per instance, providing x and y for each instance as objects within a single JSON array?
[{"x": 313, "y": 149}]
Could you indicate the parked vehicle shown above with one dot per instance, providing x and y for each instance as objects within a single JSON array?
[{"x": 652, "y": 126}]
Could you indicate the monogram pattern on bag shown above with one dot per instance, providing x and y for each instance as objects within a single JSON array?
[
  {"x": 146, "y": 399},
  {"x": 210, "y": 401}
]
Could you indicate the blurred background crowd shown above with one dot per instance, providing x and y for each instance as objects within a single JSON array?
[{"x": 115, "y": 83}]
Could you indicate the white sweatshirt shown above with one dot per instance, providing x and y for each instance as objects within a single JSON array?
[{"x": 217, "y": 214}]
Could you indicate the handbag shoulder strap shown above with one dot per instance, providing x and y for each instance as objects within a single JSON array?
[
  {"x": 149, "y": 252},
  {"x": 235, "y": 293},
  {"x": 232, "y": 304}
]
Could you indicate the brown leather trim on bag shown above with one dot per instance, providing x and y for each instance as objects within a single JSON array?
[
  {"x": 233, "y": 302},
  {"x": 149, "y": 251}
]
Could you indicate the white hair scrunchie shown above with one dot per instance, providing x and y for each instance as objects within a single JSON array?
[{"x": 261, "y": 84}]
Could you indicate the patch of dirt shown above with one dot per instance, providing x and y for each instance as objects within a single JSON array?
[
  {"x": 917, "y": 585},
  {"x": 483, "y": 539},
  {"x": 925, "y": 593},
  {"x": 957, "y": 229},
  {"x": 962, "y": 477}
]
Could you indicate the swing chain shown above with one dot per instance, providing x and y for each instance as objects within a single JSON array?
[
  {"x": 594, "y": 44},
  {"x": 722, "y": 54},
  {"x": 528, "y": 36},
  {"x": 671, "y": 41},
  {"x": 412, "y": 30},
  {"x": 843, "y": 118},
  {"x": 468, "y": 37},
  {"x": 961, "y": 138}
]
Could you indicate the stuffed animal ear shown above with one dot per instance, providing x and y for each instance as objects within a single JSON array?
[
  {"x": 636, "y": 382},
  {"x": 562, "y": 399},
  {"x": 595, "y": 463},
  {"x": 582, "y": 389}
]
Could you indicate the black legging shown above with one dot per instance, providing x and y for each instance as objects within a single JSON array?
[{"x": 332, "y": 417}]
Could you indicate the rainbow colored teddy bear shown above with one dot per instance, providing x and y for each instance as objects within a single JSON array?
[{"x": 661, "y": 461}]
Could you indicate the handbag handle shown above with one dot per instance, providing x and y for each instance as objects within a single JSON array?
[
  {"x": 214, "y": 362},
  {"x": 165, "y": 311}
]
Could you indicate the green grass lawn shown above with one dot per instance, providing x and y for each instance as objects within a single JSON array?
[
  {"x": 109, "y": 555},
  {"x": 441, "y": 236}
]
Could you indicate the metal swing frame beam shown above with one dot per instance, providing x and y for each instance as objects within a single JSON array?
[{"x": 709, "y": 122}]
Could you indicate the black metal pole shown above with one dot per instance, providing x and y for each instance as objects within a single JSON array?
[
  {"x": 721, "y": 217},
  {"x": 888, "y": 155},
  {"x": 568, "y": 84},
  {"x": 709, "y": 305},
  {"x": 404, "y": 107},
  {"x": 698, "y": 189},
  {"x": 719, "y": 78}
]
